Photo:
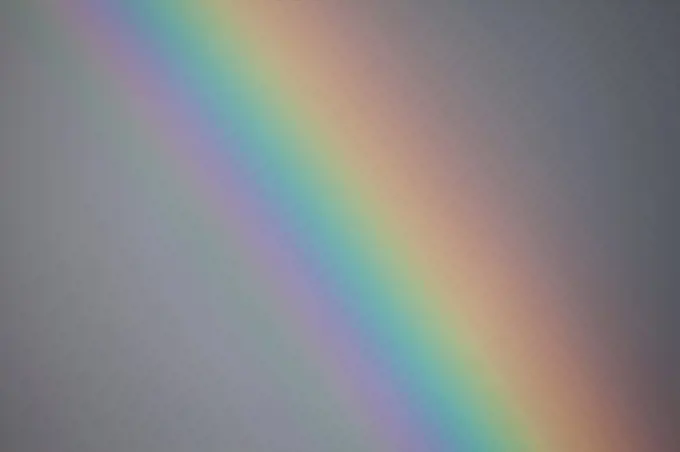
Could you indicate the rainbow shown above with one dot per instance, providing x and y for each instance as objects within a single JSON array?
[{"x": 432, "y": 322}]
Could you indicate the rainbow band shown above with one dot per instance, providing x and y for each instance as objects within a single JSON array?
[{"x": 345, "y": 214}]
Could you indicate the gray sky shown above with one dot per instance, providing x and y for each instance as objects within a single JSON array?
[{"x": 586, "y": 97}]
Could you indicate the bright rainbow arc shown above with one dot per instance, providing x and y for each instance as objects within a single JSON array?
[{"x": 343, "y": 198}]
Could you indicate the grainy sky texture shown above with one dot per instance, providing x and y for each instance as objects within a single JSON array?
[{"x": 134, "y": 317}]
